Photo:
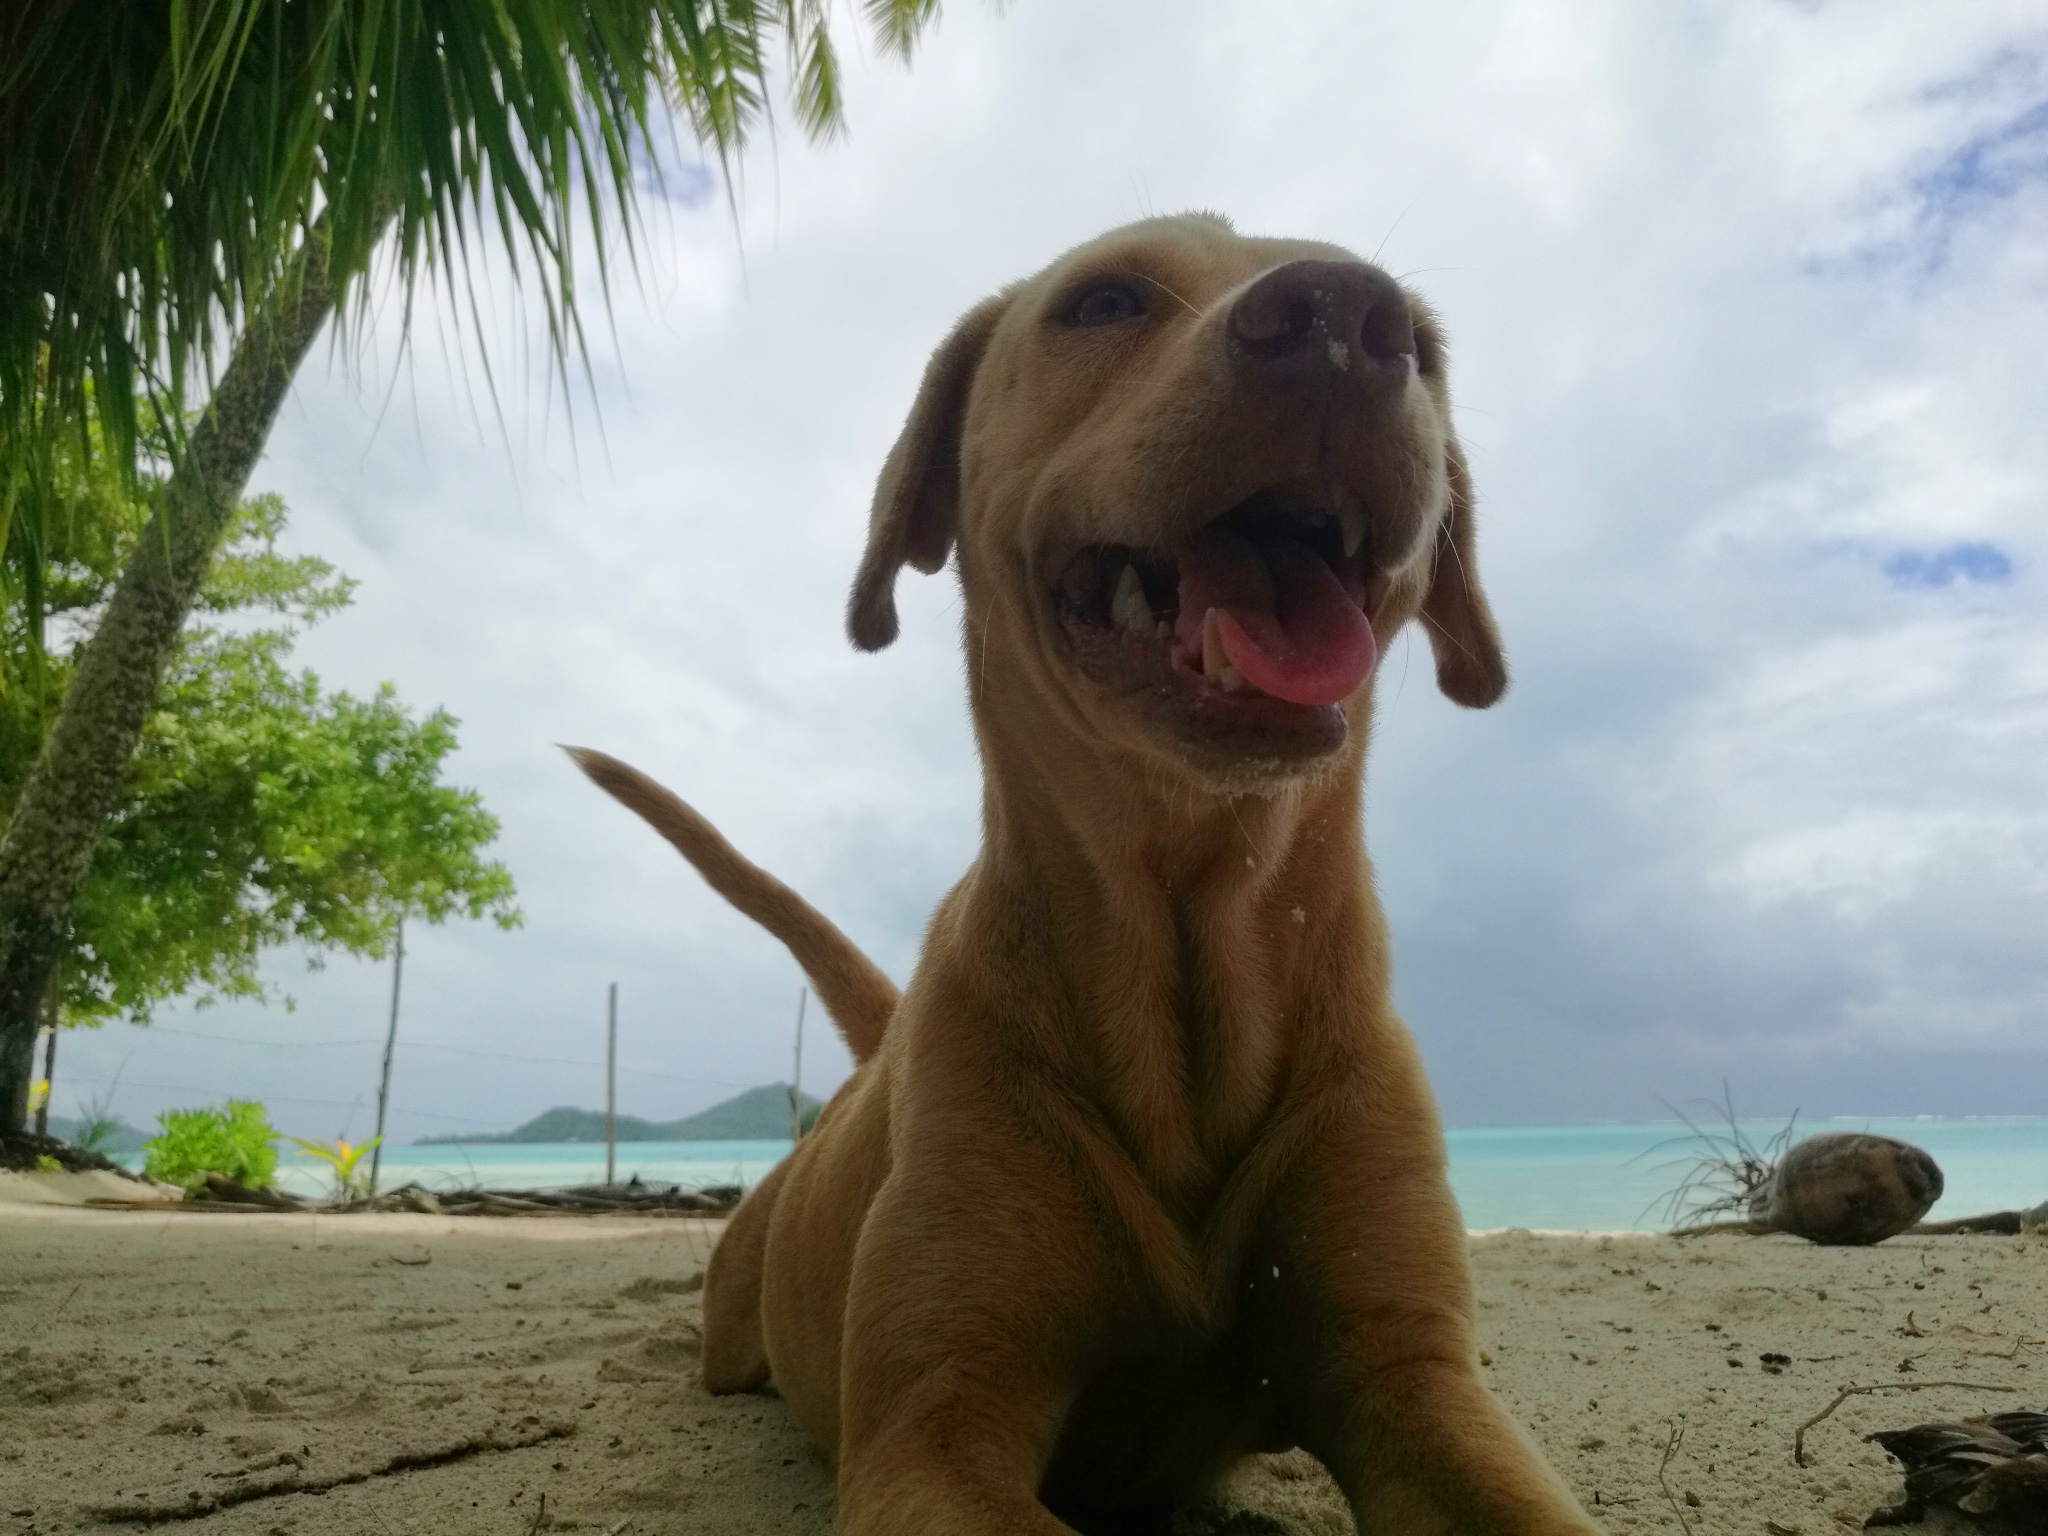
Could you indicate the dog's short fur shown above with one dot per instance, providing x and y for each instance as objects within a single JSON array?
[{"x": 1141, "y": 1174}]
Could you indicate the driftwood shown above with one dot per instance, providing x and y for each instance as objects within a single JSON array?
[
  {"x": 632, "y": 1199},
  {"x": 224, "y": 1196},
  {"x": 2007, "y": 1222},
  {"x": 588, "y": 1200},
  {"x": 219, "y": 1189},
  {"x": 1990, "y": 1224}
]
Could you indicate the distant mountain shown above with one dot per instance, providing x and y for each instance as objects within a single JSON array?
[
  {"x": 125, "y": 1138},
  {"x": 759, "y": 1114}
]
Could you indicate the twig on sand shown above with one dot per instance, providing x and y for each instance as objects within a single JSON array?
[
  {"x": 1671, "y": 1449},
  {"x": 540, "y": 1517},
  {"x": 524, "y": 1435},
  {"x": 1799, "y": 1435}
]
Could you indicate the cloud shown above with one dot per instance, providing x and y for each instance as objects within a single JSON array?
[
  {"x": 1980, "y": 168},
  {"x": 1746, "y": 309}
]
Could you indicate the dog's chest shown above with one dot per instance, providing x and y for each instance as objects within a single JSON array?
[{"x": 1160, "y": 1419}]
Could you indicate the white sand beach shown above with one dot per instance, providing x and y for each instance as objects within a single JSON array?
[{"x": 245, "y": 1375}]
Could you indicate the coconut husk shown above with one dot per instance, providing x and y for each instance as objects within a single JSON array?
[
  {"x": 1847, "y": 1189},
  {"x": 1995, "y": 1468}
]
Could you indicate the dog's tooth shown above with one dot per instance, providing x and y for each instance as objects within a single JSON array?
[
  {"x": 1352, "y": 520},
  {"x": 1128, "y": 607},
  {"x": 1214, "y": 662},
  {"x": 1228, "y": 680}
]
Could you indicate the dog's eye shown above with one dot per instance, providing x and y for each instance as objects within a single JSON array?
[{"x": 1105, "y": 304}]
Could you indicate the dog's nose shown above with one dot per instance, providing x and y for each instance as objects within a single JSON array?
[{"x": 1310, "y": 323}]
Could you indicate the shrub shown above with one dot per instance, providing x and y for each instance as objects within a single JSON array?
[{"x": 192, "y": 1143}]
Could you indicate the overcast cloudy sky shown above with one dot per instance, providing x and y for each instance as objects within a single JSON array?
[{"x": 1748, "y": 305}]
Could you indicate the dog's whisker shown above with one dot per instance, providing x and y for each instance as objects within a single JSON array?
[
  {"x": 1390, "y": 233},
  {"x": 1169, "y": 292}
]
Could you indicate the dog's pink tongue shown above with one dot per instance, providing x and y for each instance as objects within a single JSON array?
[{"x": 1286, "y": 623}]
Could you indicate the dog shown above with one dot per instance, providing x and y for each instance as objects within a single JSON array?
[{"x": 1141, "y": 1174}]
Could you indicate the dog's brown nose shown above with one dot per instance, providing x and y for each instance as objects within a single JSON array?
[{"x": 1310, "y": 323}]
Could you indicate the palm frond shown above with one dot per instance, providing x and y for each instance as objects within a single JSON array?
[
  {"x": 897, "y": 23},
  {"x": 165, "y": 157}
]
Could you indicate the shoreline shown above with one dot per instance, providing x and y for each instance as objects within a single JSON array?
[{"x": 1615, "y": 1177}]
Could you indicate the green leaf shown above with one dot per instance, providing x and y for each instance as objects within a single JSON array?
[{"x": 260, "y": 810}]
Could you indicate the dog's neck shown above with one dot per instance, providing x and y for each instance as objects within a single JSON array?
[{"x": 1191, "y": 934}]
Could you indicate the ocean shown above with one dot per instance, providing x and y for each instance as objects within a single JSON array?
[{"x": 1599, "y": 1178}]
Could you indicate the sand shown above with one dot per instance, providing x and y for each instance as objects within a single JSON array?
[{"x": 233, "y": 1374}]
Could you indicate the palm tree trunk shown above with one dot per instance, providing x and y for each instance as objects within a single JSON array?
[{"x": 77, "y": 782}]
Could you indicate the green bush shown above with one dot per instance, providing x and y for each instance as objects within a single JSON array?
[{"x": 192, "y": 1143}]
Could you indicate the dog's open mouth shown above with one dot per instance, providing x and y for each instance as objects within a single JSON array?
[{"x": 1265, "y": 602}]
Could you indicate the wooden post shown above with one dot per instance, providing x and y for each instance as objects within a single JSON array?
[
  {"x": 796, "y": 1084},
  {"x": 390, "y": 1041},
  {"x": 611, "y": 1084}
]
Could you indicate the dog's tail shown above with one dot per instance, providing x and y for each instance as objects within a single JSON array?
[{"x": 850, "y": 985}]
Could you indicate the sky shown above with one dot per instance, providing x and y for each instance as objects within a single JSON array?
[{"x": 1747, "y": 306}]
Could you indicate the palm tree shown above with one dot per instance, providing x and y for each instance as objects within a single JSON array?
[{"x": 187, "y": 179}]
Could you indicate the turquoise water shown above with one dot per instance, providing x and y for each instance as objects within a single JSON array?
[
  {"x": 1606, "y": 1178},
  {"x": 1614, "y": 1178}
]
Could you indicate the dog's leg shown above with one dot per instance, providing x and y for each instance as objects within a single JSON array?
[
  {"x": 1369, "y": 1324},
  {"x": 735, "y": 1358},
  {"x": 980, "y": 1288}
]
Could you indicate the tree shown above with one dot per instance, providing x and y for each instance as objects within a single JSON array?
[
  {"x": 258, "y": 810},
  {"x": 179, "y": 171}
]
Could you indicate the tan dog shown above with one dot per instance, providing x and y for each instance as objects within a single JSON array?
[{"x": 1142, "y": 1174}]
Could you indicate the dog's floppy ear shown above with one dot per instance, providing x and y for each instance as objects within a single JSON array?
[
  {"x": 917, "y": 500},
  {"x": 1471, "y": 668}
]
